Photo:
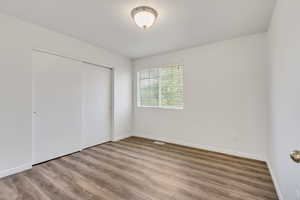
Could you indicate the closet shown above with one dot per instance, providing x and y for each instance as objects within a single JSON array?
[{"x": 71, "y": 105}]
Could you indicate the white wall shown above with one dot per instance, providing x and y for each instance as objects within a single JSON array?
[
  {"x": 284, "y": 44},
  {"x": 17, "y": 40},
  {"x": 226, "y": 98}
]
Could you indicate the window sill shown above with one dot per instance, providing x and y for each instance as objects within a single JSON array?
[{"x": 164, "y": 108}]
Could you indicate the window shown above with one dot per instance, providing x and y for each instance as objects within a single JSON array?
[{"x": 161, "y": 87}]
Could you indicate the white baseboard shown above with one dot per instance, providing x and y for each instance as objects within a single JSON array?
[
  {"x": 279, "y": 194},
  {"x": 15, "y": 170},
  {"x": 206, "y": 147},
  {"x": 121, "y": 137}
]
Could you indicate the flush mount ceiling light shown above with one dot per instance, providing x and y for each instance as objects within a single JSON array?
[{"x": 144, "y": 16}]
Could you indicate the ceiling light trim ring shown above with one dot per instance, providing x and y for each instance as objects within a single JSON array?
[{"x": 144, "y": 8}]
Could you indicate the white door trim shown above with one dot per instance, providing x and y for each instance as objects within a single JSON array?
[{"x": 71, "y": 58}]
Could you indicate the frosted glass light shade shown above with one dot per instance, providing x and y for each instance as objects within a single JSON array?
[{"x": 144, "y": 16}]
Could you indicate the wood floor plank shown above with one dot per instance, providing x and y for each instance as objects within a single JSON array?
[
  {"x": 161, "y": 170},
  {"x": 183, "y": 156},
  {"x": 153, "y": 185},
  {"x": 187, "y": 173},
  {"x": 196, "y": 156},
  {"x": 6, "y": 191},
  {"x": 161, "y": 183},
  {"x": 126, "y": 178},
  {"x": 253, "y": 177},
  {"x": 86, "y": 184},
  {"x": 138, "y": 169},
  {"x": 114, "y": 183},
  {"x": 222, "y": 156}
]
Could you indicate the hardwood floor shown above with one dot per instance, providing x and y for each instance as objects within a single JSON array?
[{"x": 138, "y": 169}]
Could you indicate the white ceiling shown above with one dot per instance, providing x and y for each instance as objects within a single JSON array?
[{"x": 181, "y": 23}]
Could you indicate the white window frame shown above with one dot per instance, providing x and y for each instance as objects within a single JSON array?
[{"x": 159, "y": 94}]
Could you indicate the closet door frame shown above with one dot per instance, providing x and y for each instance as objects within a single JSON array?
[{"x": 112, "y": 109}]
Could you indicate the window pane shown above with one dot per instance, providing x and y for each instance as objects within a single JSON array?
[
  {"x": 171, "y": 86},
  {"x": 148, "y": 88}
]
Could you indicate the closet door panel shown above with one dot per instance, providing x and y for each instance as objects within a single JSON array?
[
  {"x": 57, "y": 103},
  {"x": 96, "y": 105}
]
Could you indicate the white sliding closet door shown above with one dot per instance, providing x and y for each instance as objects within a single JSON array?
[
  {"x": 97, "y": 117},
  {"x": 57, "y": 106}
]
